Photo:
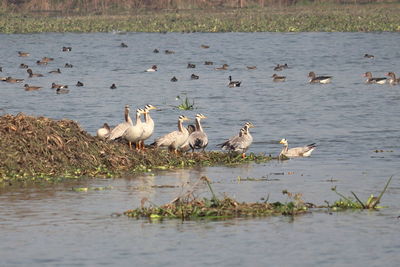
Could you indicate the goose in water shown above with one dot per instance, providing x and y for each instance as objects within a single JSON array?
[
  {"x": 371, "y": 79},
  {"x": 152, "y": 69},
  {"x": 119, "y": 130},
  {"x": 104, "y": 131},
  {"x": 232, "y": 84},
  {"x": 241, "y": 142},
  {"x": 198, "y": 139},
  {"x": 134, "y": 132},
  {"x": 304, "y": 151},
  {"x": 31, "y": 74},
  {"x": 148, "y": 125},
  {"x": 175, "y": 139},
  {"x": 319, "y": 79},
  {"x": 393, "y": 80}
]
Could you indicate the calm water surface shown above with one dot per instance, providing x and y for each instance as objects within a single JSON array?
[{"x": 53, "y": 225}]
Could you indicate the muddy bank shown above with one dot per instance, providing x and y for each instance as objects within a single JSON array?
[{"x": 39, "y": 148}]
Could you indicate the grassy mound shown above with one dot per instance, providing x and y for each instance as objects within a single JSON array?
[{"x": 38, "y": 147}]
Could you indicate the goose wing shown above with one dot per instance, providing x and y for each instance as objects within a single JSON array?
[{"x": 198, "y": 140}]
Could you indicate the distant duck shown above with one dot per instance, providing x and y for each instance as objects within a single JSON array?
[
  {"x": 68, "y": 65},
  {"x": 79, "y": 84},
  {"x": 1, "y": 69},
  {"x": 234, "y": 83},
  {"x": 31, "y": 88},
  {"x": 152, "y": 69},
  {"x": 208, "y": 63},
  {"x": 62, "y": 91},
  {"x": 66, "y": 49},
  {"x": 47, "y": 59},
  {"x": 124, "y": 45},
  {"x": 23, "y": 54},
  {"x": 58, "y": 86},
  {"x": 191, "y": 66},
  {"x": 40, "y": 62},
  {"x": 368, "y": 56},
  {"x": 304, "y": 151},
  {"x": 174, "y": 79},
  {"x": 194, "y": 77},
  {"x": 57, "y": 71},
  {"x": 393, "y": 80},
  {"x": 251, "y": 67},
  {"x": 113, "y": 86},
  {"x": 31, "y": 74},
  {"x": 104, "y": 131},
  {"x": 168, "y": 52},
  {"x": 278, "y": 67},
  {"x": 204, "y": 46},
  {"x": 371, "y": 79},
  {"x": 13, "y": 80},
  {"x": 23, "y": 66},
  {"x": 224, "y": 67},
  {"x": 319, "y": 79},
  {"x": 277, "y": 78},
  {"x": 156, "y": 51}
]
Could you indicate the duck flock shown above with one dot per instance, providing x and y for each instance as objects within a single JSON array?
[{"x": 192, "y": 137}]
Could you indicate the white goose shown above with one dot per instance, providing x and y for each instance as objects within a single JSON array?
[
  {"x": 104, "y": 131},
  {"x": 148, "y": 125},
  {"x": 198, "y": 139},
  {"x": 134, "y": 132},
  {"x": 174, "y": 140},
  {"x": 119, "y": 130},
  {"x": 304, "y": 151}
]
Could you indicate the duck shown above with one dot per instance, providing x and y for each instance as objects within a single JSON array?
[
  {"x": 124, "y": 45},
  {"x": 176, "y": 139},
  {"x": 113, "y": 86},
  {"x": 68, "y": 65},
  {"x": 241, "y": 142},
  {"x": 62, "y": 91},
  {"x": 13, "y": 80},
  {"x": 191, "y": 66},
  {"x": 79, "y": 84},
  {"x": 156, "y": 51},
  {"x": 198, "y": 139},
  {"x": 278, "y": 67},
  {"x": 304, "y": 151},
  {"x": 23, "y": 66},
  {"x": 168, "y": 52},
  {"x": 47, "y": 59},
  {"x": 39, "y": 62},
  {"x": 58, "y": 86},
  {"x": 194, "y": 76},
  {"x": 232, "y": 84},
  {"x": 23, "y": 54},
  {"x": 31, "y": 74},
  {"x": 277, "y": 78},
  {"x": 174, "y": 79},
  {"x": 1, "y": 69},
  {"x": 251, "y": 67},
  {"x": 148, "y": 125},
  {"x": 57, "y": 71},
  {"x": 369, "y": 56},
  {"x": 31, "y": 88},
  {"x": 204, "y": 46},
  {"x": 393, "y": 80},
  {"x": 103, "y": 132},
  {"x": 224, "y": 67},
  {"x": 370, "y": 79},
  {"x": 119, "y": 130},
  {"x": 134, "y": 132},
  {"x": 66, "y": 49},
  {"x": 319, "y": 79},
  {"x": 152, "y": 69},
  {"x": 208, "y": 63}
]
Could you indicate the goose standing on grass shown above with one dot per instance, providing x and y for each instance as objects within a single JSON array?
[
  {"x": 104, "y": 131},
  {"x": 393, "y": 80},
  {"x": 319, "y": 79},
  {"x": 176, "y": 139},
  {"x": 198, "y": 139},
  {"x": 304, "y": 151},
  {"x": 119, "y": 130},
  {"x": 134, "y": 132},
  {"x": 186, "y": 147},
  {"x": 241, "y": 142},
  {"x": 148, "y": 125},
  {"x": 371, "y": 79},
  {"x": 232, "y": 84}
]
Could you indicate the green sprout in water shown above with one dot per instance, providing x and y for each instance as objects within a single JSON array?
[{"x": 185, "y": 104}]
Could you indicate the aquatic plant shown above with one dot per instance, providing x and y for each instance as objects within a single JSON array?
[{"x": 185, "y": 104}]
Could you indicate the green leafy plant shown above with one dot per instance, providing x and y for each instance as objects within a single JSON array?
[{"x": 185, "y": 103}]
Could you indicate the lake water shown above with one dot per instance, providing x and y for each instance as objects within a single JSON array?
[{"x": 348, "y": 119}]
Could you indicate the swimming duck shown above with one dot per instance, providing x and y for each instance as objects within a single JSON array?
[
  {"x": 62, "y": 91},
  {"x": 370, "y": 79},
  {"x": 278, "y": 67},
  {"x": 23, "y": 54},
  {"x": 124, "y": 45},
  {"x": 67, "y": 65},
  {"x": 319, "y": 79},
  {"x": 208, "y": 63},
  {"x": 148, "y": 125},
  {"x": 156, "y": 51},
  {"x": 47, "y": 59},
  {"x": 393, "y": 80},
  {"x": 134, "y": 132},
  {"x": 304, "y": 151},
  {"x": 368, "y": 56},
  {"x": 232, "y": 84},
  {"x": 168, "y": 52},
  {"x": 119, "y": 130},
  {"x": 176, "y": 139},
  {"x": 251, "y": 67},
  {"x": 152, "y": 69},
  {"x": 277, "y": 78},
  {"x": 79, "y": 84},
  {"x": 1, "y": 69},
  {"x": 204, "y": 46},
  {"x": 104, "y": 131},
  {"x": 198, "y": 139},
  {"x": 13, "y": 80},
  {"x": 31, "y": 74},
  {"x": 191, "y": 66},
  {"x": 113, "y": 86},
  {"x": 66, "y": 49},
  {"x": 241, "y": 142},
  {"x": 57, "y": 71},
  {"x": 31, "y": 88},
  {"x": 58, "y": 86},
  {"x": 194, "y": 76},
  {"x": 39, "y": 62},
  {"x": 23, "y": 66},
  {"x": 174, "y": 79},
  {"x": 224, "y": 67}
]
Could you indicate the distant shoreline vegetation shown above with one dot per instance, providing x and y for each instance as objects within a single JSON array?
[{"x": 255, "y": 16}]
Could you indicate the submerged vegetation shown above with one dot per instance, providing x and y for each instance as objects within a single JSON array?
[
  {"x": 327, "y": 17},
  {"x": 37, "y": 148}
]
